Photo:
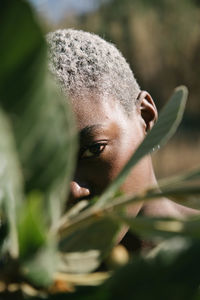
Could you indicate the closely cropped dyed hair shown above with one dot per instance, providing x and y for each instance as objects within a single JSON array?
[{"x": 84, "y": 61}]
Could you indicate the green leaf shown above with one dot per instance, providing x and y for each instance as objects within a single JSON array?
[
  {"x": 186, "y": 194},
  {"x": 81, "y": 293},
  {"x": 170, "y": 248},
  {"x": 11, "y": 183},
  {"x": 191, "y": 175},
  {"x": 180, "y": 193},
  {"x": 37, "y": 248},
  {"x": 183, "y": 194},
  {"x": 165, "y": 127},
  {"x": 83, "y": 249},
  {"x": 48, "y": 148},
  {"x": 71, "y": 213},
  {"x": 162, "y": 227},
  {"x": 42, "y": 120},
  {"x": 173, "y": 273},
  {"x": 91, "y": 279},
  {"x": 32, "y": 232},
  {"x": 40, "y": 269},
  {"x": 20, "y": 56},
  {"x": 174, "y": 276}
]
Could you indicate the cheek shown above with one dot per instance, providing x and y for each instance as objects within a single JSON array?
[
  {"x": 105, "y": 169},
  {"x": 137, "y": 179},
  {"x": 123, "y": 153},
  {"x": 98, "y": 173},
  {"x": 135, "y": 183}
]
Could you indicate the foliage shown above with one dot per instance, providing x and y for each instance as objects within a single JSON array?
[{"x": 46, "y": 252}]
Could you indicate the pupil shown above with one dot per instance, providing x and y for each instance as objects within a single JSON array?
[{"x": 95, "y": 149}]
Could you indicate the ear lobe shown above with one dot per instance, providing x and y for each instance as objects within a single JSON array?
[{"x": 147, "y": 110}]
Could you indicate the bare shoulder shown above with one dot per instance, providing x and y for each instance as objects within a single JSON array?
[{"x": 166, "y": 208}]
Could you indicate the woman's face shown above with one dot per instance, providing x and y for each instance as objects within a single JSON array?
[{"x": 108, "y": 138}]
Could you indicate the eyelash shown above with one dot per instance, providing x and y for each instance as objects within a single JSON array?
[{"x": 91, "y": 148}]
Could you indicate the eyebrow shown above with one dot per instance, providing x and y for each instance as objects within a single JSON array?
[{"x": 89, "y": 131}]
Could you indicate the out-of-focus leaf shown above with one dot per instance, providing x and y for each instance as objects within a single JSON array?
[
  {"x": 48, "y": 148},
  {"x": 190, "y": 175},
  {"x": 162, "y": 277},
  {"x": 40, "y": 269},
  {"x": 183, "y": 189},
  {"x": 187, "y": 200},
  {"x": 184, "y": 194},
  {"x": 92, "y": 279},
  {"x": 69, "y": 286},
  {"x": 170, "y": 248},
  {"x": 84, "y": 248},
  {"x": 187, "y": 195},
  {"x": 80, "y": 261},
  {"x": 80, "y": 293},
  {"x": 32, "y": 233},
  {"x": 71, "y": 213},
  {"x": 163, "y": 227},
  {"x": 22, "y": 55},
  {"x": 173, "y": 273},
  {"x": 42, "y": 121},
  {"x": 11, "y": 183},
  {"x": 168, "y": 121}
]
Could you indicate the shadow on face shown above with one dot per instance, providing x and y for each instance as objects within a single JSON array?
[{"x": 108, "y": 137}]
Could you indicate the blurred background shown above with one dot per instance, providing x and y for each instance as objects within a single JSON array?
[{"x": 161, "y": 41}]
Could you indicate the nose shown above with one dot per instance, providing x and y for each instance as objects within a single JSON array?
[{"x": 78, "y": 191}]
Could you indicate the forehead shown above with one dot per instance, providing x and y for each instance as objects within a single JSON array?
[{"x": 92, "y": 109}]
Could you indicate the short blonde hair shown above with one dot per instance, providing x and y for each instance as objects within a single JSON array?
[{"x": 82, "y": 60}]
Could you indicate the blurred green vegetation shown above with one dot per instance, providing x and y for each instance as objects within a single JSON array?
[{"x": 47, "y": 252}]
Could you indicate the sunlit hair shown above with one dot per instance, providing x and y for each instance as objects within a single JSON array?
[{"x": 83, "y": 61}]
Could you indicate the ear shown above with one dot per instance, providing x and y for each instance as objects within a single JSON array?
[{"x": 147, "y": 110}]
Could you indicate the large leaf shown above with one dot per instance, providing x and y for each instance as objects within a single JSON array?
[
  {"x": 163, "y": 227},
  {"x": 182, "y": 193},
  {"x": 83, "y": 249},
  {"x": 166, "y": 276},
  {"x": 40, "y": 269},
  {"x": 41, "y": 118},
  {"x": 183, "y": 189},
  {"x": 22, "y": 55},
  {"x": 48, "y": 148},
  {"x": 11, "y": 184},
  {"x": 191, "y": 175},
  {"x": 186, "y": 195},
  {"x": 171, "y": 274},
  {"x": 32, "y": 232},
  {"x": 165, "y": 127}
]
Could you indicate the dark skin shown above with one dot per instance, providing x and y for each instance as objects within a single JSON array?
[{"x": 108, "y": 138}]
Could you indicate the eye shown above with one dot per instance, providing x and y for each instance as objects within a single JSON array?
[{"x": 93, "y": 150}]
